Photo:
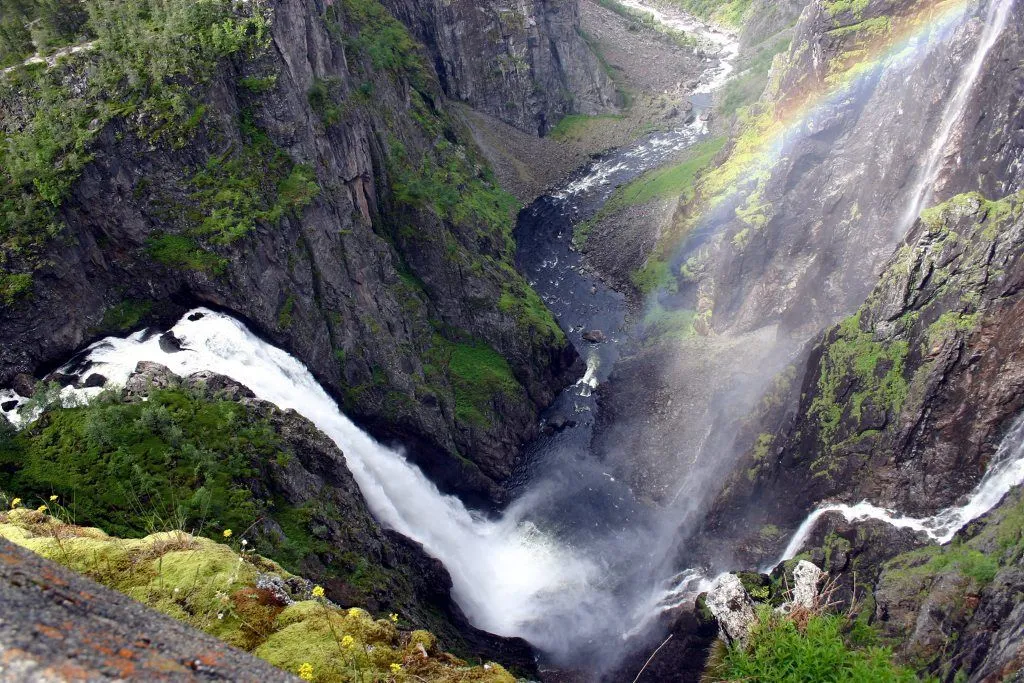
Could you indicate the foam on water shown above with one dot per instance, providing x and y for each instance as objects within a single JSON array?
[
  {"x": 922, "y": 189},
  {"x": 723, "y": 42},
  {"x": 505, "y": 572},
  {"x": 1005, "y": 472}
]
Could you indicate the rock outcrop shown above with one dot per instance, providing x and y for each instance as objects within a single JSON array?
[
  {"x": 524, "y": 62},
  {"x": 386, "y": 262},
  {"x": 301, "y": 505},
  {"x": 60, "y": 626}
]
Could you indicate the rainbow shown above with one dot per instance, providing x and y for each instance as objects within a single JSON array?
[{"x": 880, "y": 45}]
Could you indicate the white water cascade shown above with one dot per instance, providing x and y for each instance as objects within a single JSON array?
[
  {"x": 723, "y": 42},
  {"x": 505, "y": 573},
  {"x": 1005, "y": 472},
  {"x": 921, "y": 191}
]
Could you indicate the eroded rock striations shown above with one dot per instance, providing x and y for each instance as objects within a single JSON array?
[
  {"x": 309, "y": 179},
  {"x": 524, "y": 62}
]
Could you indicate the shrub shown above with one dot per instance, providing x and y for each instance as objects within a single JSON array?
[{"x": 824, "y": 649}]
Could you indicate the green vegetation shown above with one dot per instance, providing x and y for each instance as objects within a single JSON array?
[
  {"x": 384, "y": 40},
  {"x": 675, "y": 180},
  {"x": 235, "y": 190},
  {"x": 728, "y": 12},
  {"x": 875, "y": 369},
  {"x": 179, "y": 251},
  {"x": 213, "y": 587},
  {"x": 179, "y": 458},
  {"x": 661, "y": 324},
  {"x": 125, "y": 315},
  {"x": 28, "y": 26},
  {"x": 579, "y": 126},
  {"x": 935, "y": 559},
  {"x": 479, "y": 377},
  {"x": 147, "y": 59},
  {"x": 825, "y": 647},
  {"x": 749, "y": 84},
  {"x": 522, "y": 301},
  {"x": 836, "y": 7}
]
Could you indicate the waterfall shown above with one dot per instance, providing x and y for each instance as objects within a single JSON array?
[
  {"x": 921, "y": 190},
  {"x": 505, "y": 573},
  {"x": 1005, "y": 472}
]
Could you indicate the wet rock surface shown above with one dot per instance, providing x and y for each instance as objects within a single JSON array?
[{"x": 57, "y": 625}]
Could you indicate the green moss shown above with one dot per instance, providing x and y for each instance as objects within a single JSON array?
[
  {"x": 661, "y": 324},
  {"x": 479, "y": 375},
  {"x": 522, "y": 301},
  {"x": 930, "y": 561},
  {"x": 126, "y": 315},
  {"x": 868, "y": 372},
  {"x": 654, "y": 275},
  {"x": 213, "y": 588},
  {"x": 578, "y": 126},
  {"x": 284, "y": 316},
  {"x": 14, "y": 287}
]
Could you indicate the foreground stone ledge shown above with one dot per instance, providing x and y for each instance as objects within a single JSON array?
[{"x": 56, "y": 625}]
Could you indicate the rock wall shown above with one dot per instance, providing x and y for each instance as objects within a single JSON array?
[
  {"x": 395, "y": 284},
  {"x": 800, "y": 240},
  {"x": 903, "y": 403},
  {"x": 524, "y": 62}
]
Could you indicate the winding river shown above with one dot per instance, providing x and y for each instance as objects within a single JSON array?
[{"x": 568, "y": 566}]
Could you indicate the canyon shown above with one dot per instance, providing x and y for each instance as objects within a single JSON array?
[{"x": 568, "y": 311}]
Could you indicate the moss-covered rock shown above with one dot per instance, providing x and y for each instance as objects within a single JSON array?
[{"x": 247, "y": 601}]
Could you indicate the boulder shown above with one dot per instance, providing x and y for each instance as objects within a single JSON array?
[
  {"x": 733, "y": 608},
  {"x": 94, "y": 380},
  {"x": 806, "y": 577},
  {"x": 169, "y": 343},
  {"x": 146, "y": 377},
  {"x": 594, "y": 336}
]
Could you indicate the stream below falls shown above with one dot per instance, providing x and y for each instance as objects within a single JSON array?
[{"x": 569, "y": 565}]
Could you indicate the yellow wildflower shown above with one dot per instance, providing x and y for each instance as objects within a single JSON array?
[
  {"x": 395, "y": 668},
  {"x": 41, "y": 508},
  {"x": 53, "y": 499},
  {"x": 353, "y": 612},
  {"x": 393, "y": 617},
  {"x": 15, "y": 503},
  {"x": 306, "y": 671},
  {"x": 348, "y": 641},
  {"x": 318, "y": 591},
  {"x": 227, "y": 533}
]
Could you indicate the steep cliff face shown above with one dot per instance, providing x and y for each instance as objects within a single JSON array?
[
  {"x": 809, "y": 205},
  {"x": 524, "y": 62},
  {"x": 903, "y": 403},
  {"x": 204, "y": 454},
  {"x": 306, "y": 176}
]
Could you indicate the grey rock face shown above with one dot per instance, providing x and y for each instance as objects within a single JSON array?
[
  {"x": 817, "y": 226},
  {"x": 366, "y": 289},
  {"x": 524, "y": 61},
  {"x": 733, "y": 608},
  {"x": 59, "y": 626}
]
